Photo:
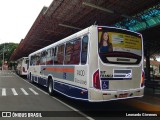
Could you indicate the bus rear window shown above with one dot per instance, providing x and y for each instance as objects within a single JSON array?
[{"x": 118, "y": 46}]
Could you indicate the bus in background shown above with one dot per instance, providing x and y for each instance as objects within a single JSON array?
[
  {"x": 22, "y": 66},
  {"x": 99, "y": 63}
]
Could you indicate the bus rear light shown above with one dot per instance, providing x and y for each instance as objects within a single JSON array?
[
  {"x": 24, "y": 69},
  {"x": 142, "y": 79},
  {"x": 96, "y": 80},
  {"x": 99, "y": 28}
]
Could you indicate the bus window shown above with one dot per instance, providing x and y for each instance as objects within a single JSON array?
[
  {"x": 119, "y": 47},
  {"x": 59, "y": 54},
  {"x": 37, "y": 58},
  {"x": 68, "y": 52},
  {"x": 31, "y": 61},
  {"x": 76, "y": 51},
  {"x": 72, "y": 52},
  {"x": 52, "y": 52},
  {"x": 43, "y": 58},
  {"x": 84, "y": 50},
  {"x": 55, "y": 55},
  {"x": 49, "y": 58},
  {"x": 25, "y": 61}
]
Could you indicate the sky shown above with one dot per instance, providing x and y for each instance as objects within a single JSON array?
[{"x": 17, "y": 17}]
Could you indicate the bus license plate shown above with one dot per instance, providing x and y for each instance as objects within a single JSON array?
[{"x": 123, "y": 95}]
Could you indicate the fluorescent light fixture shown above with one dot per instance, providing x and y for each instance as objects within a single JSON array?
[
  {"x": 103, "y": 9},
  {"x": 98, "y": 7},
  {"x": 68, "y": 26}
]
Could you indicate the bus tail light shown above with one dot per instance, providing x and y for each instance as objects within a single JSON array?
[
  {"x": 142, "y": 79},
  {"x": 96, "y": 80},
  {"x": 99, "y": 28},
  {"x": 24, "y": 69}
]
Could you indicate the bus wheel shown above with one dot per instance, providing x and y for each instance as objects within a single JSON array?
[{"x": 50, "y": 87}]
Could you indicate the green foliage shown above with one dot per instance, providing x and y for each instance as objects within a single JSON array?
[{"x": 8, "y": 49}]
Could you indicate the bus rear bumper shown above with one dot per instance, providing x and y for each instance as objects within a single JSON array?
[{"x": 99, "y": 95}]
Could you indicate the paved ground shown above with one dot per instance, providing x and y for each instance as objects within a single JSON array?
[{"x": 18, "y": 95}]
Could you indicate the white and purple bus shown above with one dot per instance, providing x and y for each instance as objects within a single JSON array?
[
  {"x": 22, "y": 66},
  {"x": 99, "y": 63}
]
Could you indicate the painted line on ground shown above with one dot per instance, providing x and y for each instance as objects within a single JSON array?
[
  {"x": 32, "y": 84},
  {"x": 3, "y": 91},
  {"x": 33, "y": 91},
  {"x": 24, "y": 91},
  {"x": 14, "y": 91}
]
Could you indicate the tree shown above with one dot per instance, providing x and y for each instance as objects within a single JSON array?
[{"x": 8, "y": 49}]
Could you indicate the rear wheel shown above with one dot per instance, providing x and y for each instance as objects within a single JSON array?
[{"x": 50, "y": 87}]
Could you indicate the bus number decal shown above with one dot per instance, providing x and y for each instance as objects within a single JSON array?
[{"x": 81, "y": 72}]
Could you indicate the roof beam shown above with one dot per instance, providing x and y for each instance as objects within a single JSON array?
[
  {"x": 104, "y": 9},
  {"x": 69, "y": 26}
]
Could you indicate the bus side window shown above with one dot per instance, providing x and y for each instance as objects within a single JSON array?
[
  {"x": 84, "y": 50},
  {"x": 60, "y": 54},
  {"x": 72, "y": 52},
  {"x": 68, "y": 53},
  {"x": 31, "y": 61},
  {"x": 34, "y": 60},
  {"x": 49, "y": 60},
  {"x": 55, "y": 55},
  {"x": 76, "y": 51},
  {"x": 38, "y": 58},
  {"x": 27, "y": 62},
  {"x": 43, "y": 58}
]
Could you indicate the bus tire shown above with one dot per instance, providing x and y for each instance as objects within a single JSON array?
[{"x": 50, "y": 87}]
